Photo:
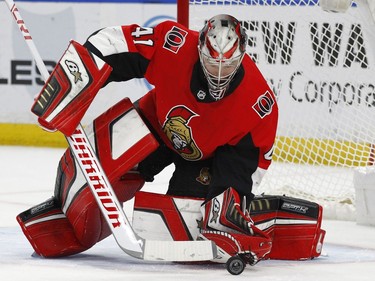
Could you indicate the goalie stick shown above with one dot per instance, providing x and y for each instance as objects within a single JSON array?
[{"x": 111, "y": 209}]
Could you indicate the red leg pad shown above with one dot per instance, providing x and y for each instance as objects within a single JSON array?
[
  {"x": 85, "y": 216},
  {"x": 54, "y": 234},
  {"x": 293, "y": 224},
  {"x": 49, "y": 231}
]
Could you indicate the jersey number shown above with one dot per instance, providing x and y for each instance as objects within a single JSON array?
[{"x": 143, "y": 31}]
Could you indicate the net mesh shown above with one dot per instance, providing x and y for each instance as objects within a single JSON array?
[{"x": 321, "y": 67}]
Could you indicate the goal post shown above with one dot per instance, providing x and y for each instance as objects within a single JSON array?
[
  {"x": 321, "y": 65},
  {"x": 183, "y": 12}
]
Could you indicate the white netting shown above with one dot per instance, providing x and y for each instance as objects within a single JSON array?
[{"x": 321, "y": 67}]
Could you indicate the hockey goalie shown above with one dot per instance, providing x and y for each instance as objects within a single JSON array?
[{"x": 210, "y": 113}]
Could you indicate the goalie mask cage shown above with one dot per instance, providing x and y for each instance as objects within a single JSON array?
[{"x": 320, "y": 64}]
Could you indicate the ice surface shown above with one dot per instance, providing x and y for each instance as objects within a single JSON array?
[{"x": 27, "y": 178}]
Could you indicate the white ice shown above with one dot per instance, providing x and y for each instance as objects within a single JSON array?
[{"x": 27, "y": 178}]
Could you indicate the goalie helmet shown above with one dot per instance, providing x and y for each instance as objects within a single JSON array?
[{"x": 221, "y": 48}]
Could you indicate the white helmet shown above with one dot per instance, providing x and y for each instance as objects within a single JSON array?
[{"x": 221, "y": 48}]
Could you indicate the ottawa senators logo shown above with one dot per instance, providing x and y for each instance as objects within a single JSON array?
[
  {"x": 204, "y": 176},
  {"x": 174, "y": 39},
  {"x": 179, "y": 133},
  {"x": 264, "y": 104}
]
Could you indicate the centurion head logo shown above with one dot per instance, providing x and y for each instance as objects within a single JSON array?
[
  {"x": 179, "y": 133},
  {"x": 74, "y": 70}
]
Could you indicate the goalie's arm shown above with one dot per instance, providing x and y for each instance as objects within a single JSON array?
[
  {"x": 125, "y": 66},
  {"x": 122, "y": 48}
]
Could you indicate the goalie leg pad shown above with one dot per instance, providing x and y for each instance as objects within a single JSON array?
[
  {"x": 85, "y": 216},
  {"x": 70, "y": 89},
  {"x": 294, "y": 224},
  {"x": 54, "y": 233},
  {"x": 121, "y": 140},
  {"x": 166, "y": 217},
  {"x": 49, "y": 231},
  {"x": 81, "y": 208}
]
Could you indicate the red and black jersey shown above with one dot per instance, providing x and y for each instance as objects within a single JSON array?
[{"x": 238, "y": 131}]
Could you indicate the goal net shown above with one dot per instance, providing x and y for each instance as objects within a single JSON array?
[{"x": 320, "y": 64}]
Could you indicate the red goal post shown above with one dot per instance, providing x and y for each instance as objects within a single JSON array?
[
  {"x": 183, "y": 12},
  {"x": 321, "y": 66}
]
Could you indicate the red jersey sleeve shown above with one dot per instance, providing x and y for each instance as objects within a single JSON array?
[
  {"x": 128, "y": 49},
  {"x": 140, "y": 40}
]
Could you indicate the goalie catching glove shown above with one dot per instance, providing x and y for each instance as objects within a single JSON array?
[
  {"x": 70, "y": 89},
  {"x": 232, "y": 229}
]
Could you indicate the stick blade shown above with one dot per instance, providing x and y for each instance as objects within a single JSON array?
[{"x": 184, "y": 251}]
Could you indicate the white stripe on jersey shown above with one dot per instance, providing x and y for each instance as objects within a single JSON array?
[{"x": 109, "y": 41}]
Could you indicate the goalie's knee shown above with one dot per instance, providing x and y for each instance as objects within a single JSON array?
[
  {"x": 86, "y": 220},
  {"x": 84, "y": 213}
]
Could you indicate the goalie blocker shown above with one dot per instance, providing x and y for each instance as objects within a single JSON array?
[
  {"x": 71, "y": 222},
  {"x": 70, "y": 89}
]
